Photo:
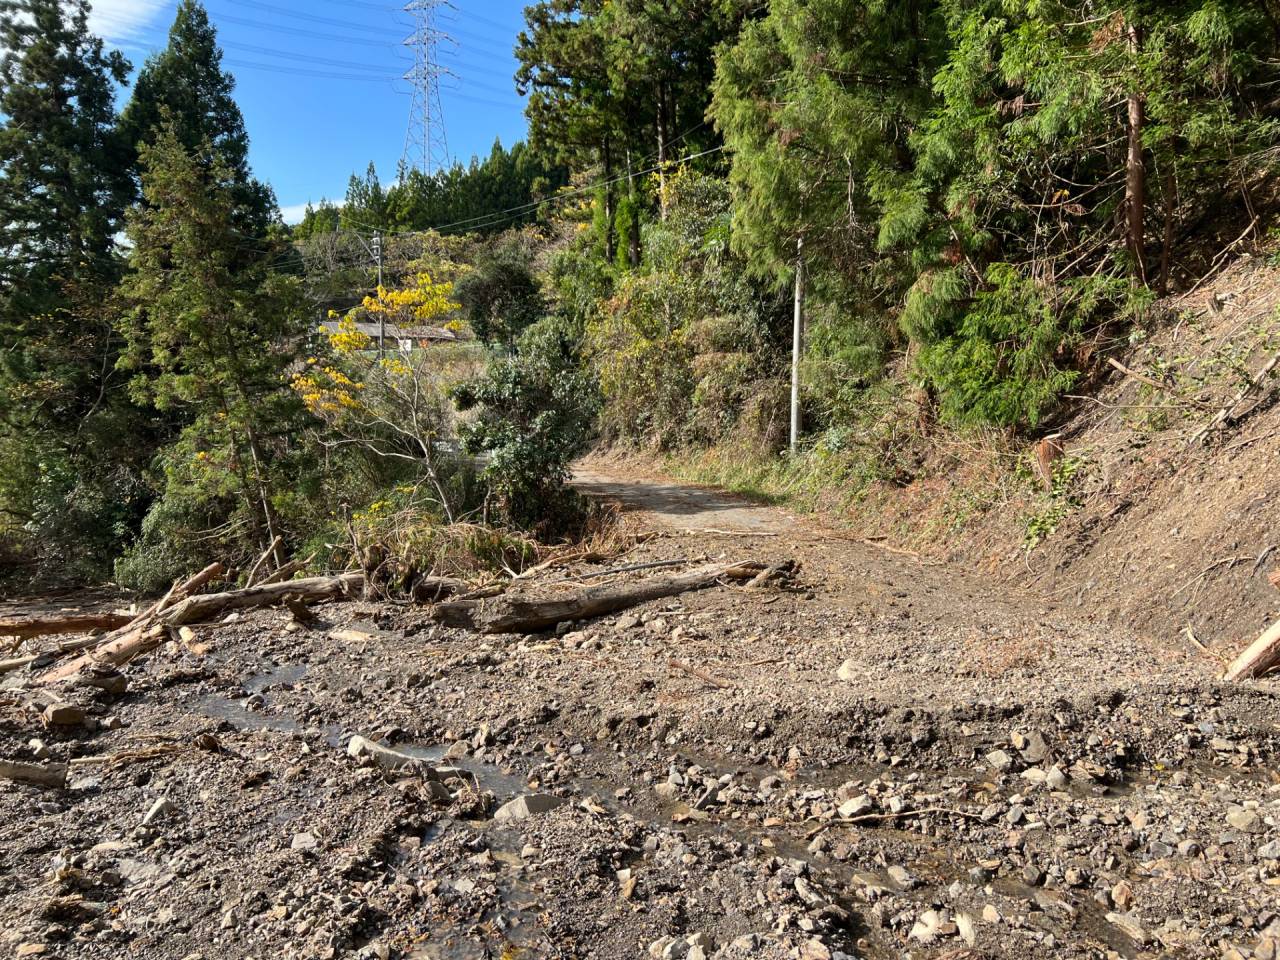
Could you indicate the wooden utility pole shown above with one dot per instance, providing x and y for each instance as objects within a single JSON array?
[
  {"x": 382, "y": 315},
  {"x": 797, "y": 347}
]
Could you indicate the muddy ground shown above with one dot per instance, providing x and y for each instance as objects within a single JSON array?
[{"x": 884, "y": 759}]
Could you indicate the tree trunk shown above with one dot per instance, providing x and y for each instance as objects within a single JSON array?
[
  {"x": 1170, "y": 209},
  {"x": 1261, "y": 657},
  {"x": 610, "y": 239},
  {"x": 662, "y": 152},
  {"x": 1135, "y": 193},
  {"x": 516, "y": 614}
]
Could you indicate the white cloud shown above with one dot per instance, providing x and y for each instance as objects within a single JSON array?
[
  {"x": 119, "y": 21},
  {"x": 294, "y": 213}
]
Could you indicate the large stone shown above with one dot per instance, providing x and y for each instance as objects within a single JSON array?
[
  {"x": 1270, "y": 851},
  {"x": 855, "y": 807},
  {"x": 161, "y": 808},
  {"x": 531, "y": 805},
  {"x": 64, "y": 715},
  {"x": 1246, "y": 821},
  {"x": 999, "y": 760},
  {"x": 848, "y": 671}
]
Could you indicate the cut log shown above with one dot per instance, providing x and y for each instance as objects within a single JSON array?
[
  {"x": 51, "y": 626},
  {"x": 1262, "y": 657},
  {"x": 518, "y": 614},
  {"x": 146, "y": 637},
  {"x": 41, "y": 775}
]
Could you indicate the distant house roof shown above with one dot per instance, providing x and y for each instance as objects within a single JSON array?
[{"x": 397, "y": 332}]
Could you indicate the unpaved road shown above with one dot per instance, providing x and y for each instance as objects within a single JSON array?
[{"x": 882, "y": 760}]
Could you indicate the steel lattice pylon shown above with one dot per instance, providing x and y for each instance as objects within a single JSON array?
[{"x": 425, "y": 146}]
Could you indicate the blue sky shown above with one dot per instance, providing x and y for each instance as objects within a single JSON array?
[{"x": 318, "y": 81}]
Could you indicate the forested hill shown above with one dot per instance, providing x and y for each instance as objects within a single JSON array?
[
  {"x": 502, "y": 191},
  {"x": 981, "y": 204}
]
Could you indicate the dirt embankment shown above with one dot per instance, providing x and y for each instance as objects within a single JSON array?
[{"x": 885, "y": 758}]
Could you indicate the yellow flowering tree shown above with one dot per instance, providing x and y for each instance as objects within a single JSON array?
[{"x": 393, "y": 407}]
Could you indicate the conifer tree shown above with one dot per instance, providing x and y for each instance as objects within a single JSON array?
[{"x": 186, "y": 84}]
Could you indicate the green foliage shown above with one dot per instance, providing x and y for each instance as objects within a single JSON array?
[
  {"x": 208, "y": 338},
  {"x": 532, "y": 416},
  {"x": 184, "y": 89},
  {"x": 1058, "y": 502},
  {"x": 501, "y": 295},
  {"x": 686, "y": 348},
  {"x": 487, "y": 196},
  {"x": 69, "y": 440}
]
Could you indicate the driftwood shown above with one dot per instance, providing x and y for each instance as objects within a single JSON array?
[
  {"x": 146, "y": 636},
  {"x": 17, "y": 663},
  {"x": 1261, "y": 657},
  {"x": 42, "y": 775},
  {"x": 288, "y": 570},
  {"x": 518, "y": 614},
  {"x": 51, "y": 626}
]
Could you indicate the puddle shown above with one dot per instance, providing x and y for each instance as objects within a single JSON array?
[{"x": 504, "y": 786}]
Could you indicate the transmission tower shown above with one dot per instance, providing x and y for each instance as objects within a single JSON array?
[{"x": 425, "y": 145}]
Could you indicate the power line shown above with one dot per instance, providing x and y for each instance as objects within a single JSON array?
[
  {"x": 304, "y": 57},
  {"x": 295, "y": 15},
  {"x": 302, "y": 32}
]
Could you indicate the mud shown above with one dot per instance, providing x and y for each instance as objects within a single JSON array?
[{"x": 906, "y": 763}]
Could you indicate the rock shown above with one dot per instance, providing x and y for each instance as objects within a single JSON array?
[
  {"x": 1246, "y": 821},
  {"x": 1032, "y": 746},
  {"x": 1056, "y": 778},
  {"x": 965, "y": 927},
  {"x": 902, "y": 877},
  {"x": 1189, "y": 848},
  {"x": 927, "y": 927},
  {"x": 1122, "y": 895},
  {"x": 303, "y": 842},
  {"x": 666, "y": 791},
  {"x": 700, "y": 940},
  {"x": 1270, "y": 851},
  {"x": 63, "y": 715},
  {"x": 382, "y": 757},
  {"x": 1032, "y": 875},
  {"x": 1131, "y": 927},
  {"x": 1000, "y": 761},
  {"x": 31, "y": 950},
  {"x": 531, "y": 805},
  {"x": 39, "y": 749},
  {"x": 107, "y": 679},
  {"x": 161, "y": 808},
  {"x": 628, "y": 622},
  {"x": 990, "y": 914},
  {"x": 848, "y": 671},
  {"x": 856, "y": 807}
]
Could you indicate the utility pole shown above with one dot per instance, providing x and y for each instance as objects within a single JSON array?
[
  {"x": 797, "y": 347},
  {"x": 382, "y": 314},
  {"x": 425, "y": 145}
]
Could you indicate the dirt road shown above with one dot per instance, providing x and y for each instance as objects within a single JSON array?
[{"x": 882, "y": 759}]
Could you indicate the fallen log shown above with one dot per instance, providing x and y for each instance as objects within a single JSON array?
[
  {"x": 518, "y": 614},
  {"x": 267, "y": 554},
  {"x": 195, "y": 609},
  {"x": 146, "y": 637},
  {"x": 52, "y": 626},
  {"x": 1261, "y": 657},
  {"x": 41, "y": 775},
  {"x": 17, "y": 663}
]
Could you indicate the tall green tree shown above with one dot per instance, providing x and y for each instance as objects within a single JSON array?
[
  {"x": 209, "y": 338},
  {"x": 185, "y": 85},
  {"x": 64, "y": 183}
]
